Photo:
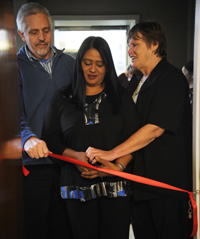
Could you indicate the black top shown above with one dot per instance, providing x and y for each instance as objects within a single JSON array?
[
  {"x": 191, "y": 98},
  {"x": 123, "y": 79},
  {"x": 163, "y": 101},
  {"x": 68, "y": 127}
]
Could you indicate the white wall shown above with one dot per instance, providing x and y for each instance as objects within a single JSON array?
[{"x": 196, "y": 110}]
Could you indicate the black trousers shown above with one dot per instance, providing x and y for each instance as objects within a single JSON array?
[
  {"x": 161, "y": 218},
  {"x": 101, "y": 218},
  {"x": 45, "y": 214}
]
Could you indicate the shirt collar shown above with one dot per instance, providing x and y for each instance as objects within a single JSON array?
[{"x": 31, "y": 57}]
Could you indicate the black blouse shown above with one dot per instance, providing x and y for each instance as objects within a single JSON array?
[{"x": 66, "y": 126}]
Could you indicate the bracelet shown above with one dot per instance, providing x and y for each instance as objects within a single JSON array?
[{"x": 120, "y": 165}]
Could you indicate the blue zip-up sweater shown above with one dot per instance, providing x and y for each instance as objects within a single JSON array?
[{"x": 36, "y": 88}]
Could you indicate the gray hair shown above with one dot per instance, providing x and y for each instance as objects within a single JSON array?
[{"x": 29, "y": 9}]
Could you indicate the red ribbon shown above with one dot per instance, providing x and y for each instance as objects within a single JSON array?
[
  {"x": 25, "y": 171},
  {"x": 135, "y": 178}
]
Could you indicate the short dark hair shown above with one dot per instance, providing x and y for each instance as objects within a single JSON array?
[
  {"x": 111, "y": 79},
  {"x": 189, "y": 67},
  {"x": 152, "y": 33}
]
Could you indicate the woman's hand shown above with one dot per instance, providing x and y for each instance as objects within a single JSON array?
[
  {"x": 81, "y": 156},
  {"x": 104, "y": 164},
  {"x": 106, "y": 155}
]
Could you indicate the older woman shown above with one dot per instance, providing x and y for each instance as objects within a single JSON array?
[
  {"x": 161, "y": 97},
  {"x": 95, "y": 110}
]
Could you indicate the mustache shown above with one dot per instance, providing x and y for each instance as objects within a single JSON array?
[{"x": 43, "y": 42}]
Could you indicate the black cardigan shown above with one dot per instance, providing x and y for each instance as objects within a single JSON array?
[{"x": 163, "y": 101}]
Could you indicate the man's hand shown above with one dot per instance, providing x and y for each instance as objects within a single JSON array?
[{"x": 36, "y": 148}]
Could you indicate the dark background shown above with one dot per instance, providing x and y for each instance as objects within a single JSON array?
[{"x": 175, "y": 16}]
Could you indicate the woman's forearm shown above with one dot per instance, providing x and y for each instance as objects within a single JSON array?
[
  {"x": 124, "y": 160},
  {"x": 70, "y": 153},
  {"x": 138, "y": 140},
  {"x": 81, "y": 156}
]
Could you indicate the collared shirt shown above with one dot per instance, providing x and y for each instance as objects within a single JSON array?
[
  {"x": 137, "y": 91},
  {"x": 46, "y": 65}
]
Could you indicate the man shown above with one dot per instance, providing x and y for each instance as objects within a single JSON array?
[
  {"x": 43, "y": 69},
  {"x": 163, "y": 143}
]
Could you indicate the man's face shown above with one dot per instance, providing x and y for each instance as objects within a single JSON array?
[{"x": 37, "y": 35}]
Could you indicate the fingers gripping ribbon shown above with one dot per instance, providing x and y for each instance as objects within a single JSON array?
[{"x": 134, "y": 178}]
